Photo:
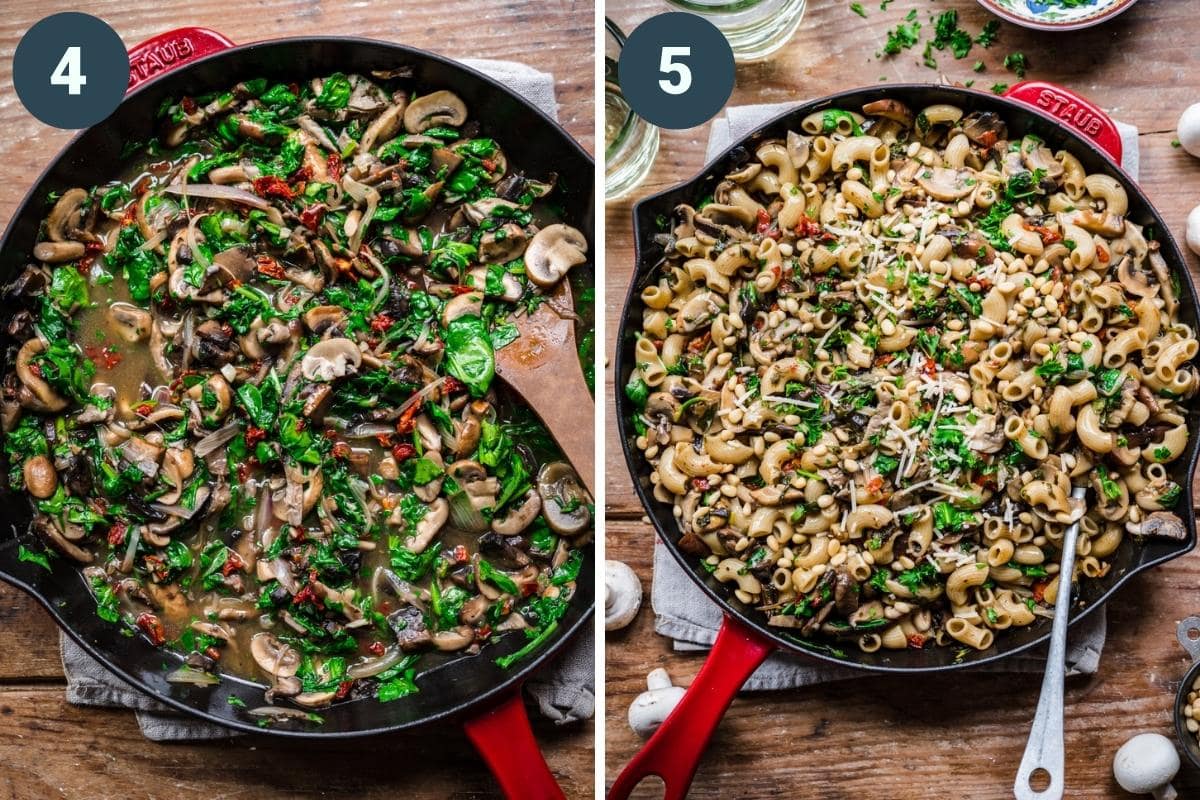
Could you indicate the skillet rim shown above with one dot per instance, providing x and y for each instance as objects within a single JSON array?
[
  {"x": 643, "y": 231},
  {"x": 11, "y": 568}
]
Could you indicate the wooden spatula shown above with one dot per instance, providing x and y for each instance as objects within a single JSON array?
[{"x": 542, "y": 366}]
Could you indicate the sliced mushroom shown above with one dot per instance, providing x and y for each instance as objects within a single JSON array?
[
  {"x": 48, "y": 528},
  {"x": 1136, "y": 281},
  {"x": 941, "y": 183},
  {"x": 510, "y": 288},
  {"x": 430, "y": 491},
  {"x": 1164, "y": 525},
  {"x": 58, "y": 252},
  {"x": 521, "y": 517},
  {"x": 214, "y": 344},
  {"x": 890, "y": 109},
  {"x": 431, "y": 110},
  {"x": 502, "y": 244},
  {"x": 385, "y": 126},
  {"x": 430, "y": 525},
  {"x": 564, "y": 502},
  {"x": 40, "y": 397},
  {"x": 177, "y": 466},
  {"x": 552, "y": 252},
  {"x": 330, "y": 359},
  {"x": 984, "y": 128},
  {"x": 320, "y": 319},
  {"x": 66, "y": 216},
  {"x": 273, "y": 657},
  {"x": 462, "y": 305},
  {"x": 456, "y": 639},
  {"x": 140, "y": 453},
  {"x": 131, "y": 322}
]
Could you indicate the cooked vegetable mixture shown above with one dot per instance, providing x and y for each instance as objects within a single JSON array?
[{"x": 251, "y": 390}]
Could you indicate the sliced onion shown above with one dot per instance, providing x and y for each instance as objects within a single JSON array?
[
  {"x": 464, "y": 515},
  {"x": 279, "y": 711},
  {"x": 216, "y": 439},
  {"x": 367, "y": 669},
  {"x": 420, "y": 396},
  {"x": 218, "y": 191},
  {"x": 385, "y": 288},
  {"x": 135, "y": 536},
  {"x": 402, "y": 589},
  {"x": 283, "y": 574},
  {"x": 368, "y": 430},
  {"x": 194, "y": 677},
  {"x": 194, "y": 246}
]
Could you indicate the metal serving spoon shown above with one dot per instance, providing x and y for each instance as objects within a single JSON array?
[
  {"x": 542, "y": 365},
  {"x": 1044, "y": 750}
]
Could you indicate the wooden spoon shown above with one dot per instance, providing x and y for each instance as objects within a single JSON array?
[{"x": 542, "y": 365}]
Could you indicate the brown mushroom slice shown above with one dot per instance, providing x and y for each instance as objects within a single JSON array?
[
  {"x": 320, "y": 319},
  {"x": 1136, "y": 281},
  {"x": 1036, "y": 156},
  {"x": 1103, "y": 222},
  {"x": 510, "y": 288},
  {"x": 49, "y": 530},
  {"x": 519, "y": 518},
  {"x": 314, "y": 699},
  {"x": 385, "y": 126},
  {"x": 430, "y": 525},
  {"x": 462, "y": 305},
  {"x": 331, "y": 359},
  {"x": 552, "y": 252},
  {"x": 502, "y": 245},
  {"x": 890, "y": 109},
  {"x": 66, "y": 216},
  {"x": 564, "y": 502},
  {"x": 428, "y": 492},
  {"x": 132, "y": 323},
  {"x": 480, "y": 210},
  {"x": 58, "y": 252},
  {"x": 456, "y": 639},
  {"x": 1163, "y": 525},
  {"x": 798, "y": 148},
  {"x": 41, "y": 397},
  {"x": 41, "y": 479},
  {"x": 945, "y": 184},
  {"x": 984, "y": 128},
  {"x": 273, "y": 657},
  {"x": 177, "y": 466},
  {"x": 431, "y": 110},
  {"x": 140, "y": 453}
]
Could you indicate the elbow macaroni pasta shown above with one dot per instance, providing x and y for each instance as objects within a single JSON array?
[{"x": 872, "y": 367}]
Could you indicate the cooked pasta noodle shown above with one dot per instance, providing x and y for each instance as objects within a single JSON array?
[{"x": 872, "y": 366}]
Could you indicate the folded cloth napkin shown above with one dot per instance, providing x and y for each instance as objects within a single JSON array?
[
  {"x": 686, "y": 615},
  {"x": 565, "y": 690}
]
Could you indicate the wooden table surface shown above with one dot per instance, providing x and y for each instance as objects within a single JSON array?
[
  {"x": 50, "y": 749},
  {"x": 959, "y": 736}
]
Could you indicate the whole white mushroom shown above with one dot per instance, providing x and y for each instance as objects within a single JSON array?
[
  {"x": 1188, "y": 129},
  {"x": 1193, "y": 230},
  {"x": 654, "y": 705},
  {"x": 1146, "y": 764},
  {"x": 622, "y": 595}
]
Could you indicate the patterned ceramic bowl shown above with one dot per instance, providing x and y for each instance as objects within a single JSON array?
[{"x": 1057, "y": 15}]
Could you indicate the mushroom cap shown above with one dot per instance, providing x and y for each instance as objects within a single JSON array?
[
  {"x": 273, "y": 656},
  {"x": 552, "y": 252},
  {"x": 1193, "y": 230},
  {"x": 946, "y": 184},
  {"x": 331, "y": 359},
  {"x": 1188, "y": 129},
  {"x": 564, "y": 502},
  {"x": 520, "y": 517},
  {"x": 462, "y": 305},
  {"x": 890, "y": 109},
  {"x": 654, "y": 705},
  {"x": 439, "y": 108},
  {"x": 622, "y": 595},
  {"x": 1146, "y": 762}
]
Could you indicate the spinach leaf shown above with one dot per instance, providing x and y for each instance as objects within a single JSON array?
[{"x": 469, "y": 354}]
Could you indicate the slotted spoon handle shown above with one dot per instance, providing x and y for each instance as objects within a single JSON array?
[{"x": 1044, "y": 750}]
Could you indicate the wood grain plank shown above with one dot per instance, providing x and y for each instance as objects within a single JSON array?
[
  {"x": 958, "y": 736},
  {"x": 49, "y": 749}
]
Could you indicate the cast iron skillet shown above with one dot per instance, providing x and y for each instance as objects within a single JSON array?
[
  {"x": 473, "y": 689},
  {"x": 745, "y": 640}
]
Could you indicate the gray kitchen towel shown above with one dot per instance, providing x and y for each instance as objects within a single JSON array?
[
  {"x": 686, "y": 615},
  {"x": 564, "y": 691}
]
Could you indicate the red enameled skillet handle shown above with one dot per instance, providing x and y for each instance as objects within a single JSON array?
[
  {"x": 674, "y": 751},
  {"x": 172, "y": 49},
  {"x": 1082, "y": 115},
  {"x": 504, "y": 738}
]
